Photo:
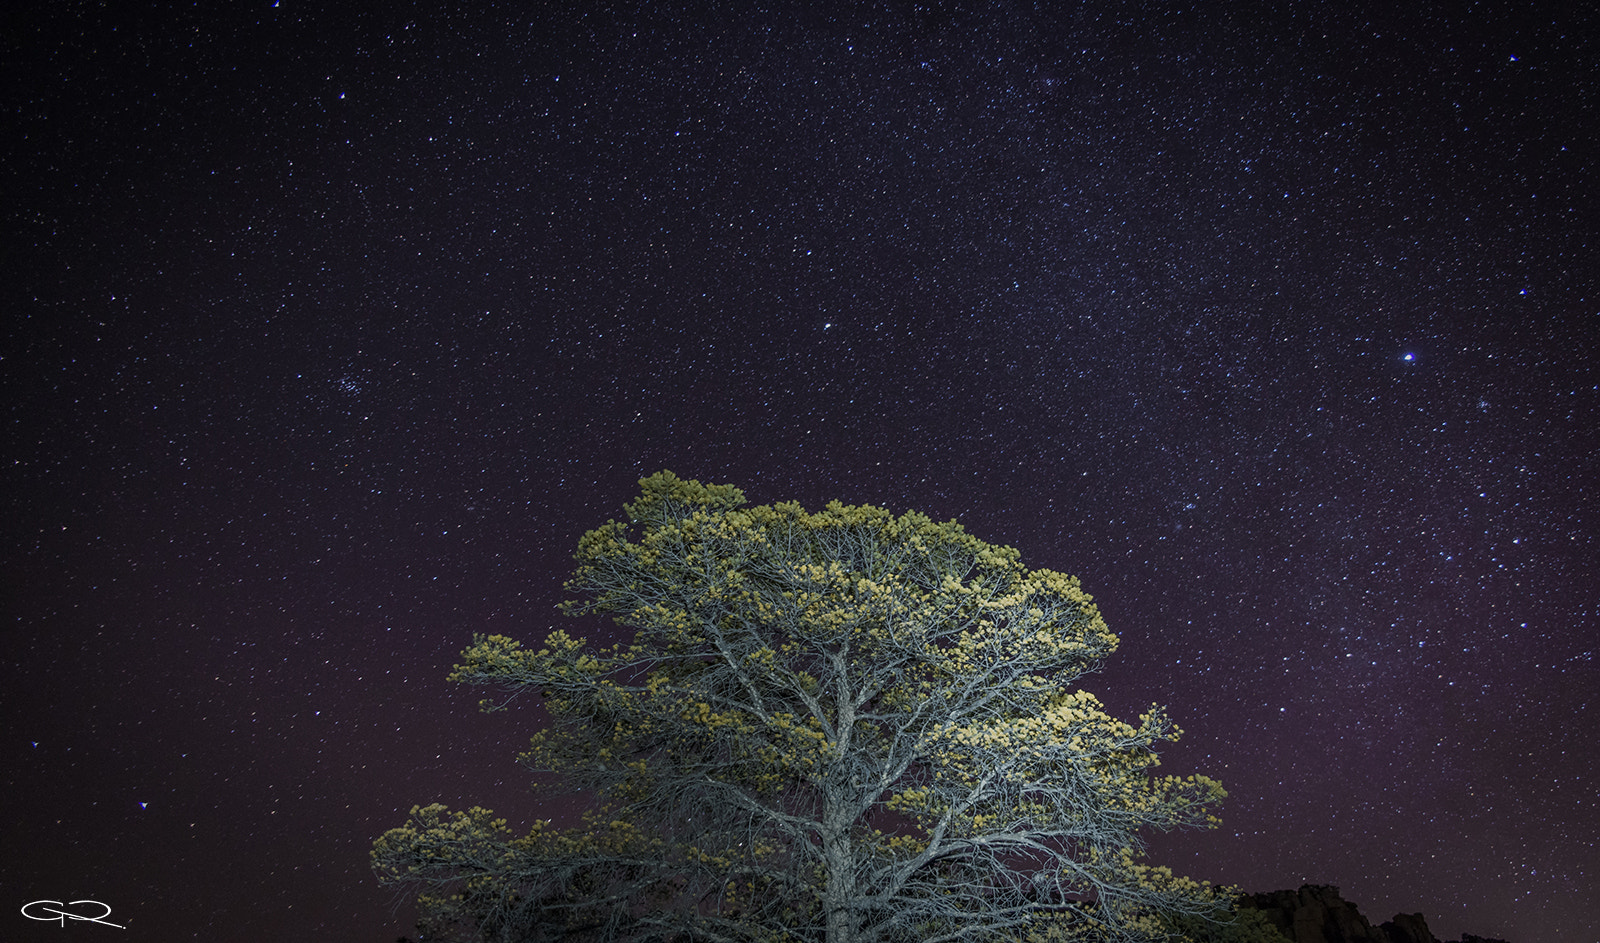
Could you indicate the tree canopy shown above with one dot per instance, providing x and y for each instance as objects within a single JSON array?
[{"x": 843, "y": 727}]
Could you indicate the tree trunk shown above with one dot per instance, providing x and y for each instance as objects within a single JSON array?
[{"x": 840, "y": 890}]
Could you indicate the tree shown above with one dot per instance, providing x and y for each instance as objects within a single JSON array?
[{"x": 841, "y": 726}]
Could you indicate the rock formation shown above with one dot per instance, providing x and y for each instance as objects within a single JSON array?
[{"x": 1317, "y": 914}]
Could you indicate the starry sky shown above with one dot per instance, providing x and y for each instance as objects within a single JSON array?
[{"x": 328, "y": 332}]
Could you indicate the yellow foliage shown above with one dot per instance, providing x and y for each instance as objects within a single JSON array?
[{"x": 794, "y": 658}]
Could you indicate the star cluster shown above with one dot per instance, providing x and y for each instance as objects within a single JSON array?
[{"x": 329, "y": 332}]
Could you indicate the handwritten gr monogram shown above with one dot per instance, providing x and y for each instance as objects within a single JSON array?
[{"x": 34, "y": 909}]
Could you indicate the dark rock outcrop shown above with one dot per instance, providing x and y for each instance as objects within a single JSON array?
[
  {"x": 1407, "y": 928},
  {"x": 1317, "y": 914}
]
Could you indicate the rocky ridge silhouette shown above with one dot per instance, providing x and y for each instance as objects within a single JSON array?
[{"x": 1317, "y": 914}]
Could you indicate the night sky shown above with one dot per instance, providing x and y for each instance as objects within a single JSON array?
[{"x": 327, "y": 333}]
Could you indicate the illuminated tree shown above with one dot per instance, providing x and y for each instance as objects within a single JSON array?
[{"x": 841, "y": 726}]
